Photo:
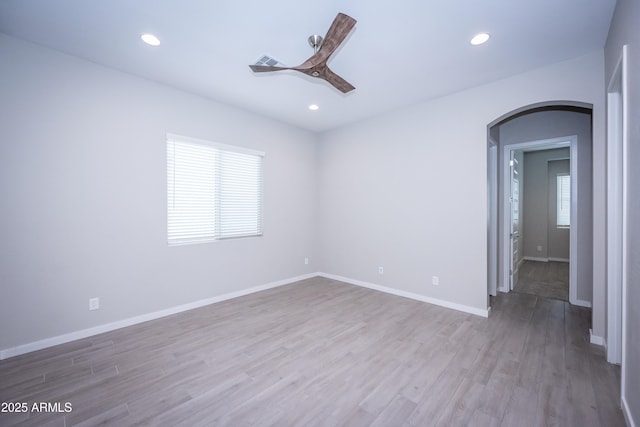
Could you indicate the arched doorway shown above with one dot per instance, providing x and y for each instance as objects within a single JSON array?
[{"x": 539, "y": 126}]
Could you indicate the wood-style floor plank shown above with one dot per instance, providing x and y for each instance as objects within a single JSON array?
[
  {"x": 324, "y": 353},
  {"x": 545, "y": 279}
]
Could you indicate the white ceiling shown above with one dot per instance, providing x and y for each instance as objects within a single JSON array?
[{"x": 400, "y": 53}]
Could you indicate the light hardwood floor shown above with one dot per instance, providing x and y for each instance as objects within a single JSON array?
[{"x": 325, "y": 353}]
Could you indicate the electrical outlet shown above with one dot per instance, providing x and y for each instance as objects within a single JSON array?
[
  {"x": 380, "y": 270},
  {"x": 539, "y": 248},
  {"x": 94, "y": 303},
  {"x": 306, "y": 260},
  {"x": 435, "y": 281}
]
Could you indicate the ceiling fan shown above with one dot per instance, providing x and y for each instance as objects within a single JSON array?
[{"x": 316, "y": 66}]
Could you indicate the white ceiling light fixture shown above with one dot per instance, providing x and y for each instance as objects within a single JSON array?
[
  {"x": 313, "y": 107},
  {"x": 479, "y": 39},
  {"x": 150, "y": 39}
]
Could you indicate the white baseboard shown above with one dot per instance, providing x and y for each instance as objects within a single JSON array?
[
  {"x": 533, "y": 258},
  {"x": 542, "y": 259},
  {"x": 594, "y": 339},
  {"x": 411, "y": 295},
  {"x": 581, "y": 303},
  {"x": 627, "y": 413},
  {"x": 72, "y": 336}
]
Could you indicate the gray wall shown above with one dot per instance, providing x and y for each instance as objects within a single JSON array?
[
  {"x": 408, "y": 190},
  {"x": 539, "y": 228},
  {"x": 83, "y": 181},
  {"x": 625, "y": 30},
  {"x": 558, "y": 238},
  {"x": 543, "y": 125},
  {"x": 83, "y": 163}
]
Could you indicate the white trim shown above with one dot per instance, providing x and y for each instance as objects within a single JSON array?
[
  {"x": 627, "y": 412},
  {"x": 540, "y": 259},
  {"x": 506, "y": 221},
  {"x": 617, "y": 168},
  {"x": 492, "y": 226},
  {"x": 534, "y": 258},
  {"x": 410, "y": 295},
  {"x": 513, "y": 242},
  {"x": 625, "y": 219},
  {"x": 581, "y": 303},
  {"x": 85, "y": 333},
  {"x": 594, "y": 339},
  {"x": 573, "y": 227}
]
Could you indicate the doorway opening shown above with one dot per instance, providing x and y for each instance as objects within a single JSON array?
[
  {"x": 557, "y": 135},
  {"x": 537, "y": 203}
]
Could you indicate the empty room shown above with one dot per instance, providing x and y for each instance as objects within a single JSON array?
[{"x": 286, "y": 213}]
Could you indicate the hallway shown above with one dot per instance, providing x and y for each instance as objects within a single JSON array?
[{"x": 544, "y": 279}]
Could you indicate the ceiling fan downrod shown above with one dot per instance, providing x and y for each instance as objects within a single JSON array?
[{"x": 315, "y": 41}]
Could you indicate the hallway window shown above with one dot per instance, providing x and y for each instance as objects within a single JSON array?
[{"x": 564, "y": 200}]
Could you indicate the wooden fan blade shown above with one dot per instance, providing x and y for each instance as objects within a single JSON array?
[
  {"x": 323, "y": 72},
  {"x": 338, "y": 82},
  {"x": 339, "y": 30},
  {"x": 265, "y": 68}
]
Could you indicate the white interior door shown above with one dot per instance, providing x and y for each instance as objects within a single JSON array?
[{"x": 515, "y": 220}]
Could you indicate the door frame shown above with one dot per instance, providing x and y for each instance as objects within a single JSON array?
[
  {"x": 545, "y": 144},
  {"x": 617, "y": 143},
  {"x": 492, "y": 214},
  {"x": 513, "y": 171}
]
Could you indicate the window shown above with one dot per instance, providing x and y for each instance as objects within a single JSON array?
[
  {"x": 214, "y": 191},
  {"x": 563, "y": 194}
]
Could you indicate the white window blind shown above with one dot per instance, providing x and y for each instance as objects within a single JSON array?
[
  {"x": 214, "y": 191},
  {"x": 563, "y": 206}
]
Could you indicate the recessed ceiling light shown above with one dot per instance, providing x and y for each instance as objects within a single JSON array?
[
  {"x": 480, "y": 38},
  {"x": 313, "y": 107},
  {"x": 150, "y": 39}
]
